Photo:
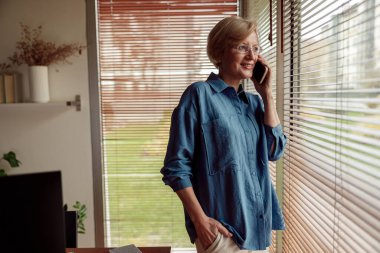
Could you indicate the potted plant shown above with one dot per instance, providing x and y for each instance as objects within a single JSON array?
[
  {"x": 74, "y": 221},
  {"x": 81, "y": 210},
  {"x": 38, "y": 54}
]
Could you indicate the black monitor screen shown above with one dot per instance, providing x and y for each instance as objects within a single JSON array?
[{"x": 31, "y": 213}]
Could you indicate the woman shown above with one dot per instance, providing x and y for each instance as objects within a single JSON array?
[{"x": 221, "y": 139}]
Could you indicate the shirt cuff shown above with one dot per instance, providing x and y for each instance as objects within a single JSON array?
[
  {"x": 272, "y": 133},
  {"x": 181, "y": 184}
]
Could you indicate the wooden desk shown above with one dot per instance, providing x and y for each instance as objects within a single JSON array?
[{"x": 106, "y": 250}]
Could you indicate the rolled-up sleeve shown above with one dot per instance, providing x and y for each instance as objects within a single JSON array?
[
  {"x": 275, "y": 137},
  {"x": 177, "y": 169}
]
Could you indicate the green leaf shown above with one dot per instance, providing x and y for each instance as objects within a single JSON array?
[
  {"x": 81, "y": 216},
  {"x": 10, "y": 157},
  {"x": 2, "y": 173}
]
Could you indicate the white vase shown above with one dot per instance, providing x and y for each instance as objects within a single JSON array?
[{"x": 39, "y": 84}]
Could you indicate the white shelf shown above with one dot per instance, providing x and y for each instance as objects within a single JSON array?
[
  {"x": 35, "y": 105},
  {"x": 59, "y": 104}
]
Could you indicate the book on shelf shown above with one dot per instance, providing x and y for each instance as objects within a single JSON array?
[
  {"x": 19, "y": 91},
  {"x": 2, "y": 91},
  {"x": 10, "y": 88}
]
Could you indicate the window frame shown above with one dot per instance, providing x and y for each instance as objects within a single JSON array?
[{"x": 95, "y": 118}]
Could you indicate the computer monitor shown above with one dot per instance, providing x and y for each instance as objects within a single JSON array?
[{"x": 31, "y": 213}]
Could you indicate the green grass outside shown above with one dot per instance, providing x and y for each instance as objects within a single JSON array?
[{"x": 144, "y": 211}]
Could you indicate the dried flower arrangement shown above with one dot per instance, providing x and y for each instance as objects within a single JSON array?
[
  {"x": 5, "y": 67},
  {"x": 34, "y": 51}
]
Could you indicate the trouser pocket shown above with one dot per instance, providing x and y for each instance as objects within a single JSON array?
[{"x": 215, "y": 245}]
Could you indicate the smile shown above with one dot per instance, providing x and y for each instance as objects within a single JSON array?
[{"x": 247, "y": 66}]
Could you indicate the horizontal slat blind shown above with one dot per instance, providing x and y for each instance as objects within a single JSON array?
[
  {"x": 332, "y": 108},
  {"x": 262, "y": 16},
  {"x": 149, "y": 52}
]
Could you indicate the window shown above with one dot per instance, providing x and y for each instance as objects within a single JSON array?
[
  {"x": 149, "y": 52},
  {"x": 332, "y": 108}
]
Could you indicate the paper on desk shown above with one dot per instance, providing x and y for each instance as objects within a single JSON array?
[{"x": 126, "y": 249}]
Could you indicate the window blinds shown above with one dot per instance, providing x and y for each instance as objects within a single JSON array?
[
  {"x": 262, "y": 14},
  {"x": 332, "y": 108},
  {"x": 269, "y": 51},
  {"x": 149, "y": 52}
]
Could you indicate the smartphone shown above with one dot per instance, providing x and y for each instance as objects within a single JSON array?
[{"x": 259, "y": 72}]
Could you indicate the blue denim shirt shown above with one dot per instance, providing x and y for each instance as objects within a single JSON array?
[{"x": 219, "y": 146}]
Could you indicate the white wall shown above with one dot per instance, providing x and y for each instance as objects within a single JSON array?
[{"x": 52, "y": 137}]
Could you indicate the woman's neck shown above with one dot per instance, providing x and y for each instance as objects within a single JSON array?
[{"x": 233, "y": 83}]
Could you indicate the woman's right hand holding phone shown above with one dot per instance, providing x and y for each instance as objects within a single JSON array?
[{"x": 262, "y": 71}]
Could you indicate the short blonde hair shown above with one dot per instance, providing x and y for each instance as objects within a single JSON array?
[{"x": 228, "y": 31}]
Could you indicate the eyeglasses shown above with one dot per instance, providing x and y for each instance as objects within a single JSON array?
[{"x": 244, "y": 49}]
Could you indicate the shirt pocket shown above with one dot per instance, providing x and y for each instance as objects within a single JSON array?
[{"x": 221, "y": 142}]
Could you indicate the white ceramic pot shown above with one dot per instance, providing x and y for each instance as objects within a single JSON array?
[{"x": 39, "y": 84}]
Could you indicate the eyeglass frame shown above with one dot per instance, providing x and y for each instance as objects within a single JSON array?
[{"x": 247, "y": 49}]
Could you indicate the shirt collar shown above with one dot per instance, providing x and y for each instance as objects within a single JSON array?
[
  {"x": 219, "y": 85},
  {"x": 242, "y": 95},
  {"x": 216, "y": 82}
]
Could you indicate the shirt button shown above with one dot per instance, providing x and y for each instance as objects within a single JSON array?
[{"x": 261, "y": 216}]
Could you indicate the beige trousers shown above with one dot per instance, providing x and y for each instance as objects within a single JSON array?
[{"x": 224, "y": 244}]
